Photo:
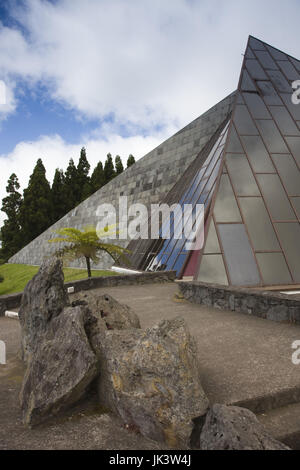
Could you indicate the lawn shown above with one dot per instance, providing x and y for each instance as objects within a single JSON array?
[{"x": 16, "y": 276}]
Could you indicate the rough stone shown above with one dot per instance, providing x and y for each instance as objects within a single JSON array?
[
  {"x": 151, "y": 379},
  {"x": 233, "y": 428},
  {"x": 115, "y": 315},
  {"x": 43, "y": 299},
  {"x": 61, "y": 369}
]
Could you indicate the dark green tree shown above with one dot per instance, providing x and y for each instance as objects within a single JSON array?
[
  {"x": 109, "y": 170},
  {"x": 59, "y": 194},
  {"x": 11, "y": 230},
  {"x": 97, "y": 178},
  {"x": 118, "y": 165},
  {"x": 130, "y": 161},
  {"x": 36, "y": 213},
  {"x": 83, "y": 179},
  {"x": 71, "y": 186}
]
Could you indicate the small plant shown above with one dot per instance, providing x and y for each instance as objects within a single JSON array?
[{"x": 87, "y": 244}]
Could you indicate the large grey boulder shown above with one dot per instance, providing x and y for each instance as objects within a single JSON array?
[
  {"x": 151, "y": 379},
  {"x": 116, "y": 316},
  {"x": 61, "y": 369},
  {"x": 44, "y": 298},
  {"x": 233, "y": 428}
]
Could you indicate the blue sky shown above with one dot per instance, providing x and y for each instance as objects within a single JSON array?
[{"x": 120, "y": 76}]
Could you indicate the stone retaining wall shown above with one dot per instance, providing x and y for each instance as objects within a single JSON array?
[
  {"x": 264, "y": 304},
  {"x": 12, "y": 301}
]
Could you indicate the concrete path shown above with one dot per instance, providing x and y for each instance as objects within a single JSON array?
[{"x": 243, "y": 360}]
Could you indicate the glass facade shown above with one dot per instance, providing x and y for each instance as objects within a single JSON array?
[{"x": 249, "y": 183}]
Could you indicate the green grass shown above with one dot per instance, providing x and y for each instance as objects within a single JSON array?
[{"x": 16, "y": 276}]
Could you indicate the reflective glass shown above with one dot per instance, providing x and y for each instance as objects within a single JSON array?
[
  {"x": 257, "y": 154},
  {"x": 258, "y": 224},
  {"x": 296, "y": 205},
  {"x": 241, "y": 175},
  {"x": 269, "y": 93},
  {"x": 212, "y": 243},
  {"x": 296, "y": 63},
  {"x": 234, "y": 145},
  {"x": 272, "y": 137},
  {"x": 249, "y": 54},
  {"x": 243, "y": 121},
  {"x": 284, "y": 121},
  {"x": 212, "y": 270},
  {"x": 266, "y": 60},
  {"x": 226, "y": 208},
  {"x": 273, "y": 268},
  {"x": 275, "y": 197},
  {"x": 289, "y": 235},
  {"x": 247, "y": 84},
  {"x": 289, "y": 173},
  {"x": 256, "y": 45},
  {"x": 256, "y": 106},
  {"x": 278, "y": 55},
  {"x": 293, "y": 109},
  {"x": 289, "y": 70},
  {"x": 255, "y": 70},
  {"x": 238, "y": 255},
  {"x": 294, "y": 144},
  {"x": 279, "y": 80}
]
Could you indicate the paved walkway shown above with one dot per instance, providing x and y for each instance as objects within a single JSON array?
[{"x": 243, "y": 360}]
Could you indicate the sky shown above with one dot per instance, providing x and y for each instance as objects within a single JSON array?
[{"x": 120, "y": 76}]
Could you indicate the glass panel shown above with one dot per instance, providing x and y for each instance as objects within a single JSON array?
[
  {"x": 289, "y": 71},
  {"x": 243, "y": 121},
  {"x": 293, "y": 108},
  {"x": 247, "y": 84},
  {"x": 272, "y": 137},
  {"x": 269, "y": 93},
  {"x": 279, "y": 81},
  {"x": 284, "y": 120},
  {"x": 275, "y": 197},
  {"x": 289, "y": 173},
  {"x": 289, "y": 235},
  {"x": 234, "y": 145},
  {"x": 241, "y": 174},
  {"x": 294, "y": 144},
  {"x": 255, "y": 70},
  {"x": 296, "y": 205},
  {"x": 257, "y": 45},
  {"x": 296, "y": 63},
  {"x": 249, "y": 53},
  {"x": 266, "y": 60},
  {"x": 273, "y": 268},
  {"x": 226, "y": 208},
  {"x": 212, "y": 242},
  {"x": 238, "y": 255},
  {"x": 258, "y": 224},
  {"x": 212, "y": 270},
  {"x": 258, "y": 155},
  {"x": 256, "y": 105},
  {"x": 278, "y": 55}
]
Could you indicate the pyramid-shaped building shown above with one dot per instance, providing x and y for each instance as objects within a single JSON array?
[{"x": 241, "y": 161}]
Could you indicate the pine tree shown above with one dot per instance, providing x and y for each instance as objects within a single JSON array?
[
  {"x": 36, "y": 212},
  {"x": 130, "y": 161},
  {"x": 11, "y": 230},
  {"x": 119, "y": 165},
  {"x": 109, "y": 171},
  {"x": 83, "y": 180},
  {"x": 59, "y": 194},
  {"x": 97, "y": 178},
  {"x": 71, "y": 186}
]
